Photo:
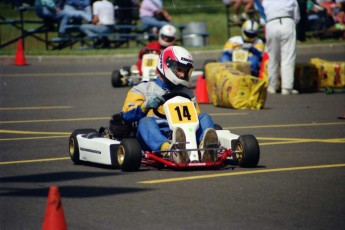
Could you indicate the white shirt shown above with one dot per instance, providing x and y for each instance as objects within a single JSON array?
[
  {"x": 281, "y": 8},
  {"x": 105, "y": 12}
]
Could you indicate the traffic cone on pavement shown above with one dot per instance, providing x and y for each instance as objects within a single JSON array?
[
  {"x": 54, "y": 217},
  {"x": 201, "y": 90},
  {"x": 20, "y": 56}
]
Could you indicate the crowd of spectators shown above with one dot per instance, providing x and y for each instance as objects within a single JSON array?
[{"x": 317, "y": 16}]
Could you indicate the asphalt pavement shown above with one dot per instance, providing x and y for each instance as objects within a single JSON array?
[{"x": 298, "y": 183}]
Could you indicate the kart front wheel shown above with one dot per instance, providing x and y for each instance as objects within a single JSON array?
[
  {"x": 116, "y": 79},
  {"x": 73, "y": 143},
  {"x": 247, "y": 151},
  {"x": 128, "y": 155}
]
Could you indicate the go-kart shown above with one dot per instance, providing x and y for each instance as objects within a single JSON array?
[
  {"x": 117, "y": 146},
  {"x": 129, "y": 76}
]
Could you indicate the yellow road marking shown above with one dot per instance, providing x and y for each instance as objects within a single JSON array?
[
  {"x": 169, "y": 180},
  {"x": 298, "y": 140},
  {"x": 32, "y": 138},
  {"x": 226, "y": 114},
  {"x": 281, "y": 126},
  {"x": 56, "y": 74},
  {"x": 33, "y": 132},
  {"x": 35, "y": 107},
  {"x": 34, "y": 161},
  {"x": 56, "y": 120}
]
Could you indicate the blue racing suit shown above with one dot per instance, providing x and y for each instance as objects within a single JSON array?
[
  {"x": 152, "y": 130},
  {"x": 255, "y": 49}
]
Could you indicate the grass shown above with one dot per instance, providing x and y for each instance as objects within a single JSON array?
[{"x": 213, "y": 12}]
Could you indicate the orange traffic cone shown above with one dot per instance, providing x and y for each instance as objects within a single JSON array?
[
  {"x": 20, "y": 56},
  {"x": 201, "y": 90},
  {"x": 54, "y": 217}
]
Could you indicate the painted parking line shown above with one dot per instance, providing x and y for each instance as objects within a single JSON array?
[
  {"x": 56, "y": 120},
  {"x": 79, "y": 74},
  {"x": 35, "y": 108},
  {"x": 208, "y": 176},
  {"x": 284, "y": 125},
  {"x": 34, "y": 160}
]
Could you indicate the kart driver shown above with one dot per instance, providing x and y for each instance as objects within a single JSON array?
[
  {"x": 248, "y": 41},
  {"x": 174, "y": 68},
  {"x": 166, "y": 38}
]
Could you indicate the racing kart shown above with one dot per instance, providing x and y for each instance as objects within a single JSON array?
[
  {"x": 129, "y": 76},
  {"x": 117, "y": 146}
]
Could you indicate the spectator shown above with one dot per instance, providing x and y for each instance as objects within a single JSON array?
[
  {"x": 103, "y": 21},
  {"x": 153, "y": 15},
  {"x": 302, "y": 24},
  {"x": 248, "y": 5},
  {"x": 318, "y": 19},
  {"x": 174, "y": 68},
  {"x": 247, "y": 41},
  {"x": 282, "y": 17},
  {"x": 51, "y": 12},
  {"x": 77, "y": 10},
  {"x": 340, "y": 20},
  {"x": 166, "y": 38}
]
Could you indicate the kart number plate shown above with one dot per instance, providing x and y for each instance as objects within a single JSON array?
[
  {"x": 182, "y": 113},
  {"x": 240, "y": 56},
  {"x": 150, "y": 62}
]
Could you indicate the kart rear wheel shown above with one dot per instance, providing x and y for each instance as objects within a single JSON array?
[
  {"x": 247, "y": 151},
  {"x": 73, "y": 143},
  {"x": 128, "y": 155},
  {"x": 116, "y": 79}
]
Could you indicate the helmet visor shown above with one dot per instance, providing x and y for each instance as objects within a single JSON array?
[
  {"x": 250, "y": 34},
  {"x": 167, "y": 38},
  {"x": 180, "y": 70}
]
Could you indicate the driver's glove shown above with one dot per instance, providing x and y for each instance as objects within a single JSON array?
[
  {"x": 152, "y": 103},
  {"x": 247, "y": 46}
]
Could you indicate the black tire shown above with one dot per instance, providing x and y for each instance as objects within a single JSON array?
[
  {"x": 116, "y": 79},
  {"x": 73, "y": 145},
  {"x": 128, "y": 155},
  {"x": 217, "y": 127},
  {"x": 247, "y": 151}
]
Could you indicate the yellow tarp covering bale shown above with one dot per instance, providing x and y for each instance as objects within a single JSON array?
[
  {"x": 331, "y": 74},
  {"x": 213, "y": 67},
  {"x": 235, "y": 90}
]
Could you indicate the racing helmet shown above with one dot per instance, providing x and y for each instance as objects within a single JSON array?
[
  {"x": 250, "y": 30},
  {"x": 176, "y": 65},
  {"x": 167, "y": 35}
]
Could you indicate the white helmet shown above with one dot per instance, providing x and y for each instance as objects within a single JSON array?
[
  {"x": 176, "y": 64},
  {"x": 167, "y": 35},
  {"x": 250, "y": 30}
]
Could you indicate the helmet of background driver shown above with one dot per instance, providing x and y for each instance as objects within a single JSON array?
[
  {"x": 176, "y": 65},
  {"x": 250, "y": 30},
  {"x": 167, "y": 36}
]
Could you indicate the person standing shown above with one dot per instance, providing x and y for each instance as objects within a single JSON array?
[
  {"x": 282, "y": 17},
  {"x": 103, "y": 21}
]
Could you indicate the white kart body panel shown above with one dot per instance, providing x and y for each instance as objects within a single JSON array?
[
  {"x": 97, "y": 150},
  {"x": 148, "y": 66},
  {"x": 225, "y": 137}
]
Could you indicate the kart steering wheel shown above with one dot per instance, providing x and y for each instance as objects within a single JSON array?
[{"x": 168, "y": 96}]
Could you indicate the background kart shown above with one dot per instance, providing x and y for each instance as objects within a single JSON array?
[
  {"x": 130, "y": 75},
  {"x": 117, "y": 146}
]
